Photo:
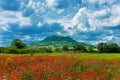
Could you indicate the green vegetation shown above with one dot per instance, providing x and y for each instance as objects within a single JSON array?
[
  {"x": 108, "y": 48},
  {"x": 86, "y": 55},
  {"x": 17, "y": 43},
  {"x": 58, "y": 44},
  {"x": 80, "y": 48},
  {"x": 65, "y": 48},
  {"x": 77, "y": 55}
]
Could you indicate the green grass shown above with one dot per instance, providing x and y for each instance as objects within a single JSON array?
[
  {"x": 86, "y": 55},
  {"x": 78, "y": 55}
]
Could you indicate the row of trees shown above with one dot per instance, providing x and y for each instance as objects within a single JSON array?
[
  {"x": 101, "y": 48},
  {"x": 108, "y": 48},
  {"x": 18, "y": 47},
  {"x": 79, "y": 48}
]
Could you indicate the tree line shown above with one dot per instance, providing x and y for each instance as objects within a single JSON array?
[
  {"x": 101, "y": 48},
  {"x": 18, "y": 47}
]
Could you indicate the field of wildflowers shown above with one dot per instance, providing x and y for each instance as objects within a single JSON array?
[{"x": 57, "y": 68}]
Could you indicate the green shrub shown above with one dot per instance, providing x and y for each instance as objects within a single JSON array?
[
  {"x": 79, "y": 48},
  {"x": 27, "y": 51},
  {"x": 57, "y": 50},
  {"x": 2, "y": 49},
  {"x": 45, "y": 50},
  {"x": 11, "y": 50},
  {"x": 65, "y": 48}
]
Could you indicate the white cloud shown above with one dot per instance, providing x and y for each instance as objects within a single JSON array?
[
  {"x": 4, "y": 27},
  {"x": 108, "y": 38},
  {"x": 112, "y": 20},
  {"x": 10, "y": 17},
  {"x": 86, "y": 20},
  {"x": 37, "y": 6},
  {"x": 60, "y": 11},
  {"x": 39, "y": 24},
  {"x": 80, "y": 20},
  {"x": 26, "y": 37},
  {"x": 51, "y": 3},
  {"x": 116, "y": 10},
  {"x": 100, "y": 14}
]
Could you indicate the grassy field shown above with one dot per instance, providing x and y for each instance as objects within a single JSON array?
[
  {"x": 87, "y": 55},
  {"x": 106, "y": 56}
]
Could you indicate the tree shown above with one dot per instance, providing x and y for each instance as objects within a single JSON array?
[
  {"x": 65, "y": 48},
  {"x": 18, "y": 44},
  {"x": 119, "y": 50},
  {"x": 113, "y": 47},
  {"x": 108, "y": 47},
  {"x": 102, "y": 47},
  {"x": 90, "y": 50},
  {"x": 80, "y": 48},
  {"x": 57, "y": 50}
]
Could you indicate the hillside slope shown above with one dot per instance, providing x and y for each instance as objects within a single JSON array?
[{"x": 57, "y": 42}]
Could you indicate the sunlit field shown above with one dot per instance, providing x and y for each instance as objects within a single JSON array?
[{"x": 60, "y": 66}]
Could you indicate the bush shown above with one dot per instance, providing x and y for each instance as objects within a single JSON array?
[
  {"x": 45, "y": 50},
  {"x": 57, "y": 50},
  {"x": 91, "y": 50},
  {"x": 2, "y": 49},
  {"x": 18, "y": 44},
  {"x": 80, "y": 48},
  {"x": 49, "y": 50},
  {"x": 12, "y": 50},
  {"x": 65, "y": 48},
  {"x": 108, "y": 48}
]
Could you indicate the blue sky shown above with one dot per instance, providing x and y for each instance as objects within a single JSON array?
[{"x": 89, "y": 21}]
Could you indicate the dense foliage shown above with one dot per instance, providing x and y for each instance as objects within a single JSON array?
[
  {"x": 65, "y": 48},
  {"x": 108, "y": 48},
  {"x": 80, "y": 48},
  {"x": 18, "y": 47},
  {"x": 17, "y": 43}
]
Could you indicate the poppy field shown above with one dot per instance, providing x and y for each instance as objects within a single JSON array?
[{"x": 47, "y": 67}]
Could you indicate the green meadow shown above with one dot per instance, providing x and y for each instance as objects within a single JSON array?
[
  {"x": 106, "y": 56},
  {"x": 87, "y": 55}
]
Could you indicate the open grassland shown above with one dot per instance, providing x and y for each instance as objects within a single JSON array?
[
  {"x": 59, "y": 66},
  {"x": 105, "y": 56}
]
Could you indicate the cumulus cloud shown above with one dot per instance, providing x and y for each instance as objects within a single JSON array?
[
  {"x": 26, "y": 37},
  {"x": 81, "y": 19},
  {"x": 87, "y": 20},
  {"x": 37, "y": 6},
  {"x": 108, "y": 38},
  {"x": 51, "y": 3},
  {"x": 10, "y": 17},
  {"x": 106, "y": 17}
]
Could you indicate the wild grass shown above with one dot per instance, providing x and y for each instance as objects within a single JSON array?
[{"x": 107, "y": 56}]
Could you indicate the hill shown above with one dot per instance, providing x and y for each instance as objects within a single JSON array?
[
  {"x": 59, "y": 39},
  {"x": 56, "y": 42}
]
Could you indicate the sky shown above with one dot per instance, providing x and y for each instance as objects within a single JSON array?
[{"x": 88, "y": 21}]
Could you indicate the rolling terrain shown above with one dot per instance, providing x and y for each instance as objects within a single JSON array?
[{"x": 57, "y": 42}]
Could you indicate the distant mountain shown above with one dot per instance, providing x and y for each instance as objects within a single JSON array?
[
  {"x": 56, "y": 42},
  {"x": 59, "y": 39}
]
